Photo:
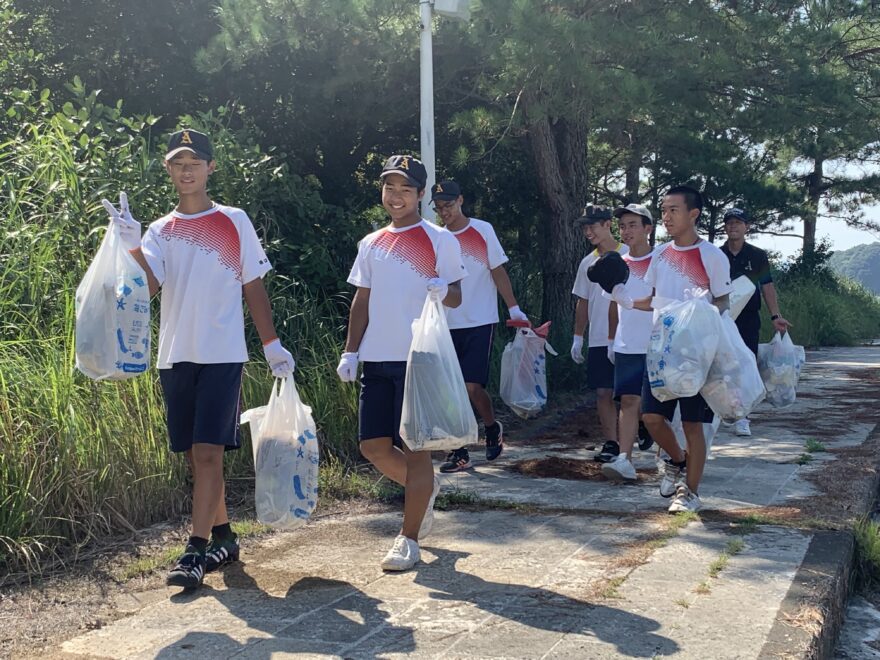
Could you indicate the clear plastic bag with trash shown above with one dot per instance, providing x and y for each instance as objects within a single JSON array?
[
  {"x": 682, "y": 346},
  {"x": 733, "y": 385},
  {"x": 524, "y": 369},
  {"x": 113, "y": 314},
  {"x": 437, "y": 413},
  {"x": 780, "y": 363},
  {"x": 286, "y": 457}
]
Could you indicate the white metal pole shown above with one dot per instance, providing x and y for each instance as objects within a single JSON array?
[{"x": 427, "y": 104}]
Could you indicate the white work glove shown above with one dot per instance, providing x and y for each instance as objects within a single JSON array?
[
  {"x": 611, "y": 353},
  {"x": 129, "y": 228},
  {"x": 437, "y": 289},
  {"x": 348, "y": 367},
  {"x": 279, "y": 358},
  {"x": 620, "y": 295},
  {"x": 577, "y": 349},
  {"x": 516, "y": 314}
]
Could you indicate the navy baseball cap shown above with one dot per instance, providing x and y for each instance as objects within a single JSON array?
[
  {"x": 738, "y": 213},
  {"x": 407, "y": 166},
  {"x": 445, "y": 191},
  {"x": 189, "y": 140},
  {"x": 593, "y": 214}
]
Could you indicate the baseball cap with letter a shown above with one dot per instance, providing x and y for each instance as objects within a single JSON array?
[
  {"x": 407, "y": 166},
  {"x": 189, "y": 140}
]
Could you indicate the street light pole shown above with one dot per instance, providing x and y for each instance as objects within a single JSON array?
[{"x": 426, "y": 74}]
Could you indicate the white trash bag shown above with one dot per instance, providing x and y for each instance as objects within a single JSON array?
[
  {"x": 286, "y": 457},
  {"x": 709, "y": 431},
  {"x": 779, "y": 363},
  {"x": 733, "y": 385},
  {"x": 113, "y": 314},
  {"x": 437, "y": 414},
  {"x": 524, "y": 371},
  {"x": 683, "y": 344}
]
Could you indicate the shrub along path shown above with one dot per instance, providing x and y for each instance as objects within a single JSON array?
[{"x": 564, "y": 566}]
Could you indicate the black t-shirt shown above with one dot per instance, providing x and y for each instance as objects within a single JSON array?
[{"x": 752, "y": 262}]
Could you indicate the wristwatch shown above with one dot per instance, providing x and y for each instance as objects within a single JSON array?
[{"x": 774, "y": 317}]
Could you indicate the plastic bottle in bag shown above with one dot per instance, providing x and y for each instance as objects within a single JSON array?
[
  {"x": 524, "y": 371},
  {"x": 113, "y": 314},
  {"x": 437, "y": 413},
  {"x": 286, "y": 457},
  {"x": 681, "y": 349},
  {"x": 733, "y": 385},
  {"x": 779, "y": 364}
]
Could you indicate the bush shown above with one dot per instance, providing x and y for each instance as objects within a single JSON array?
[{"x": 79, "y": 458}]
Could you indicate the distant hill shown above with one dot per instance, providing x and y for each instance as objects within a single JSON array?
[{"x": 860, "y": 263}]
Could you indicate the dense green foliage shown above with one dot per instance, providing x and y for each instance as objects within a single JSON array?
[
  {"x": 860, "y": 263},
  {"x": 541, "y": 106}
]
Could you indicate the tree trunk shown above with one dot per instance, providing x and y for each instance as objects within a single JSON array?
[
  {"x": 814, "y": 196},
  {"x": 633, "y": 167},
  {"x": 559, "y": 151}
]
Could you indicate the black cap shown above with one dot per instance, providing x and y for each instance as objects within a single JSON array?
[
  {"x": 408, "y": 166},
  {"x": 738, "y": 213},
  {"x": 445, "y": 191},
  {"x": 608, "y": 271},
  {"x": 592, "y": 214},
  {"x": 190, "y": 140}
]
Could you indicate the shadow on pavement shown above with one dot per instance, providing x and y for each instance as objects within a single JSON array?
[
  {"x": 316, "y": 615},
  {"x": 631, "y": 634}
]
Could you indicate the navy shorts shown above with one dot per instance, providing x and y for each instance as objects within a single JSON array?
[
  {"x": 202, "y": 404},
  {"x": 381, "y": 401},
  {"x": 693, "y": 408},
  {"x": 749, "y": 327},
  {"x": 473, "y": 346},
  {"x": 629, "y": 372},
  {"x": 600, "y": 371}
]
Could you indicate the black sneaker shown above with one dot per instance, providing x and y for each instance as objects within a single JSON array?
[
  {"x": 494, "y": 441},
  {"x": 610, "y": 451},
  {"x": 456, "y": 460},
  {"x": 189, "y": 571},
  {"x": 221, "y": 552},
  {"x": 645, "y": 439}
]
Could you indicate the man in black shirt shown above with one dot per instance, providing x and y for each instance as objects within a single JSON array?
[{"x": 746, "y": 259}]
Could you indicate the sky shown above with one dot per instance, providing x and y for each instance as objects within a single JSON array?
[{"x": 842, "y": 237}]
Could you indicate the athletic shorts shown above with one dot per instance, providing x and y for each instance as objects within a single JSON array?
[
  {"x": 381, "y": 401},
  {"x": 600, "y": 371},
  {"x": 629, "y": 372},
  {"x": 749, "y": 327},
  {"x": 692, "y": 408},
  {"x": 202, "y": 404},
  {"x": 473, "y": 346}
]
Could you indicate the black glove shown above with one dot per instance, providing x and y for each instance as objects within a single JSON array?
[{"x": 608, "y": 271}]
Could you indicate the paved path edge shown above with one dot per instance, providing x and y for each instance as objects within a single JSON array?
[{"x": 809, "y": 620}]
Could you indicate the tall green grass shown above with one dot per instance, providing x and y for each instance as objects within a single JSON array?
[
  {"x": 826, "y": 310},
  {"x": 80, "y": 459}
]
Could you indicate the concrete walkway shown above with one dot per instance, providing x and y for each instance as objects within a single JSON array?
[{"x": 558, "y": 568}]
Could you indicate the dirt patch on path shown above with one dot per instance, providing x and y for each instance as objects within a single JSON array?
[{"x": 570, "y": 468}]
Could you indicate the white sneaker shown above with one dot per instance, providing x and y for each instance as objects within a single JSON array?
[
  {"x": 741, "y": 428},
  {"x": 428, "y": 520},
  {"x": 620, "y": 469},
  {"x": 685, "y": 500},
  {"x": 404, "y": 554},
  {"x": 671, "y": 475}
]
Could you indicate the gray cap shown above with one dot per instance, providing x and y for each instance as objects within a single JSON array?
[{"x": 638, "y": 209}]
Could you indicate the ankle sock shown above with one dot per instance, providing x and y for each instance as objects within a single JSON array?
[
  {"x": 222, "y": 532},
  {"x": 197, "y": 544}
]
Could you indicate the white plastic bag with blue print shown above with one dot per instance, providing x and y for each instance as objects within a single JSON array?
[
  {"x": 524, "y": 370},
  {"x": 683, "y": 344},
  {"x": 286, "y": 457},
  {"x": 113, "y": 314}
]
